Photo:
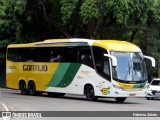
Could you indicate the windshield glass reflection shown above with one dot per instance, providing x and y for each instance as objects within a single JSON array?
[{"x": 130, "y": 66}]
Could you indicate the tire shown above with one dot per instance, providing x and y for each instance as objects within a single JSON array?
[
  {"x": 120, "y": 99},
  {"x": 39, "y": 93},
  {"x": 23, "y": 88},
  {"x": 148, "y": 98},
  {"x": 90, "y": 95},
  {"x": 55, "y": 94},
  {"x": 32, "y": 88}
]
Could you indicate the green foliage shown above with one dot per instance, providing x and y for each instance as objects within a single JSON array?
[
  {"x": 119, "y": 9},
  {"x": 148, "y": 41},
  {"x": 89, "y": 10},
  {"x": 9, "y": 23},
  {"x": 35, "y": 20},
  {"x": 42, "y": 20},
  {"x": 3, "y": 45},
  {"x": 67, "y": 9}
]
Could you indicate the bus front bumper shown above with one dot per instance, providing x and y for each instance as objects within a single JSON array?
[{"x": 129, "y": 93}]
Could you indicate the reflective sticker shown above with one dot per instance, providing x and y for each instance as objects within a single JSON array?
[
  {"x": 105, "y": 91},
  {"x": 8, "y": 70}
]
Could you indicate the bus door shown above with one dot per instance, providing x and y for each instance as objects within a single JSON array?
[
  {"x": 85, "y": 72},
  {"x": 102, "y": 66}
]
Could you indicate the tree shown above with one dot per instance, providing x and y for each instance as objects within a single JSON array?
[
  {"x": 104, "y": 18},
  {"x": 24, "y": 21},
  {"x": 42, "y": 20},
  {"x": 9, "y": 24}
]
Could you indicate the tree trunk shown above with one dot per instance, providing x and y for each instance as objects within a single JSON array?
[{"x": 134, "y": 32}]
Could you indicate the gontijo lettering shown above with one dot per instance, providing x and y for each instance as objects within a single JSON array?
[{"x": 35, "y": 68}]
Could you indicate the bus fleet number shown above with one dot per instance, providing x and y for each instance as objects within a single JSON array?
[{"x": 12, "y": 67}]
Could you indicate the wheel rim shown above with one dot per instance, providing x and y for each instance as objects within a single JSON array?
[
  {"x": 23, "y": 88},
  {"x": 32, "y": 89},
  {"x": 90, "y": 93}
]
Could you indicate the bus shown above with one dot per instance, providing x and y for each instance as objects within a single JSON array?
[{"x": 94, "y": 68}]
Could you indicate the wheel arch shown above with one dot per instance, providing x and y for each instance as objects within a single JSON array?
[{"x": 31, "y": 81}]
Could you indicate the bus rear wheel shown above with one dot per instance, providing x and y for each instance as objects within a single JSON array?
[
  {"x": 120, "y": 99},
  {"x": 32, "y": 88},
  {"x": 89, "y": 92},
  {"x": 23, "y": 88}
]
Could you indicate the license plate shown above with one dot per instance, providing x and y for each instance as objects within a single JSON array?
[{"x": 132, "y": 94}]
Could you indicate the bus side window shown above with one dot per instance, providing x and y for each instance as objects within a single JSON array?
[
  {"x": 84, "y": 59},
  {"x": 57, "y": 54},
  {"x": 14, "y": 55},
  {"x": 85, "y": 56},
  {"x": 101, "y": 62},
  {"x": 106, "y": 67},
  {"x": 56, "y": 59}
]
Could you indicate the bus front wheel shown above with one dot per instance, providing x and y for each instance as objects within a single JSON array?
[
  {"x": 32, "y": 88},
  {"x": 89, "y": 92},
  {"x": 120, "y": 99},
  {"x": 23, "y": 88}
]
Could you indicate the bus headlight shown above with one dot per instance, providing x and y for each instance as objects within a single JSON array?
[{"x": 117, "y": 87}]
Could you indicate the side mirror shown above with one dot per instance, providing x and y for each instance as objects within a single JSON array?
[
  {"x": 114, "y": 59},
  {"x": 152, "y": 60}
]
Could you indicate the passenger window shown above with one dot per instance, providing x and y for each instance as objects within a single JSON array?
[
  {"x": 101, "y": 62},
  {"x": 85, "y": 56}
]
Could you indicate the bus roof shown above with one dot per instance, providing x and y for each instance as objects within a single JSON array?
[
  {"x": 114, "y": 45},
  {"x": 117, "y": 45}
]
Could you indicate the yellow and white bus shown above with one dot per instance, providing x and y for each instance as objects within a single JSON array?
[{"x": 95, "y": 68}]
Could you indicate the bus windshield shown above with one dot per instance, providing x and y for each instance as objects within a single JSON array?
[{"x": 130, "y": 66}]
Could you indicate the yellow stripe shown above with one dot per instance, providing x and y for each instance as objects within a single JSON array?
[
  {"x": 116, "y": 45},
  {"x": 126, "y": 86}
]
